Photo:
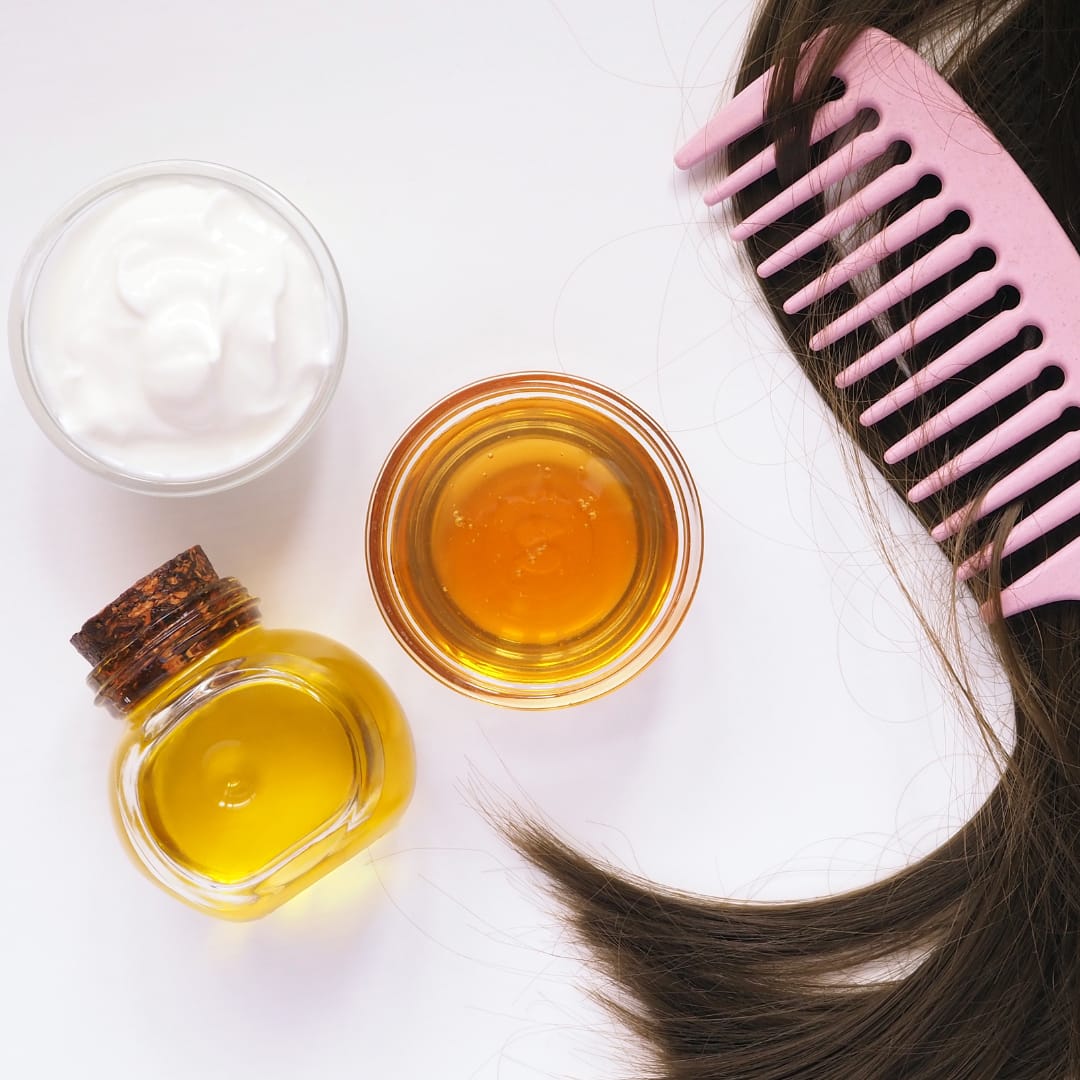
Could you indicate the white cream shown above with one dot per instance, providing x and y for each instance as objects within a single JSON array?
[{"x": 180, "y": 329}]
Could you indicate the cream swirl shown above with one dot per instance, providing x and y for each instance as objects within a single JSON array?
[{"x": 180, "y": 328}]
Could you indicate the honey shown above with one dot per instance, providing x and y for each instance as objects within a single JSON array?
[
  {"x": 256, "y": 759},
  {"x": 535, "y": 541},
  {"x": 525, "y": 538}
]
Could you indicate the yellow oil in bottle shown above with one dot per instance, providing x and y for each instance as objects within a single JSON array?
[
  {"x": 247, "y": 777},
  {"x": 538, "y": 540},
  {"x": 293, "y": 758}
]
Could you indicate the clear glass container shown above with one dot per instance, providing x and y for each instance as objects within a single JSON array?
[
  {"x": 534, "y": 540},
  {"x": 255, "y": 760},
  {"x": 50, "y": 245}
]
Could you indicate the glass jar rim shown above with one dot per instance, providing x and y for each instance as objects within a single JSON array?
[
  {"x": 394, "y": 478},
  {"x": 37, "y": 257}
]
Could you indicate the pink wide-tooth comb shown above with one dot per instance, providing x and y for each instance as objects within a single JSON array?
[{"x": 915, "y": 105}]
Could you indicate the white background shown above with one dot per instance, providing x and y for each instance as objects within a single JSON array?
[{"x": 494, "y": 179}]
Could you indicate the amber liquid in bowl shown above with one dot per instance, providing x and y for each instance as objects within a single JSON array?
[{"x": 533, "y": 540}]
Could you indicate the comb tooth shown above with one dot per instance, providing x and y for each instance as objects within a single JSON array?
[
  {"x": 868, "y": 200},
  {"x": 1014, "y": 375},
  {"x": 746, "y": 110},
  {"x": 1030, "y": 419},
  {"x": 1047, "y": 582},
  {"x": 936, "y": 317},
  {"x": 746, "y": 174},
  {"x": 829, "y": 119},
  {"x": 742, "y": 114},
  {"x": 1025, "y": 531},
  {"x": 947, "y": 256},
  {"x": 1050, "y": 515},
  {"x": 974, "y": 347},
  {"x": 854, "y": 155},
  {"x": 1057, "y": 456}
]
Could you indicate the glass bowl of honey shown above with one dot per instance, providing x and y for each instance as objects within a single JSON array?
[{"x": 534, "y": 540}]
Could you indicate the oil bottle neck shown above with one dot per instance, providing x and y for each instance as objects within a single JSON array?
[{"x": 165, "y": 622}]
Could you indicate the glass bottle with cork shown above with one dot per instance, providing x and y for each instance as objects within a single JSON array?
[{"x": 256, "y": 760}]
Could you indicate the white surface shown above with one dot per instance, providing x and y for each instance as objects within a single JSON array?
[{"x": 493, "y": 178}]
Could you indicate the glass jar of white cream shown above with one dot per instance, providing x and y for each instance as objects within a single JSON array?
[{"x": 179, "y": 328}]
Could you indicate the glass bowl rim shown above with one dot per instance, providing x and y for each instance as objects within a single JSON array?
[{"x": 441, "y": 417}]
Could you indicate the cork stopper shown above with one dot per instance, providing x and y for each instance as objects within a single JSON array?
[
  {"x": 162, "y": 593},
  {"x": 164, "y": 622}
]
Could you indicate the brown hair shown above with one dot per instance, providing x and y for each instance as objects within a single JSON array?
[{"x": 967, "y": 964}]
